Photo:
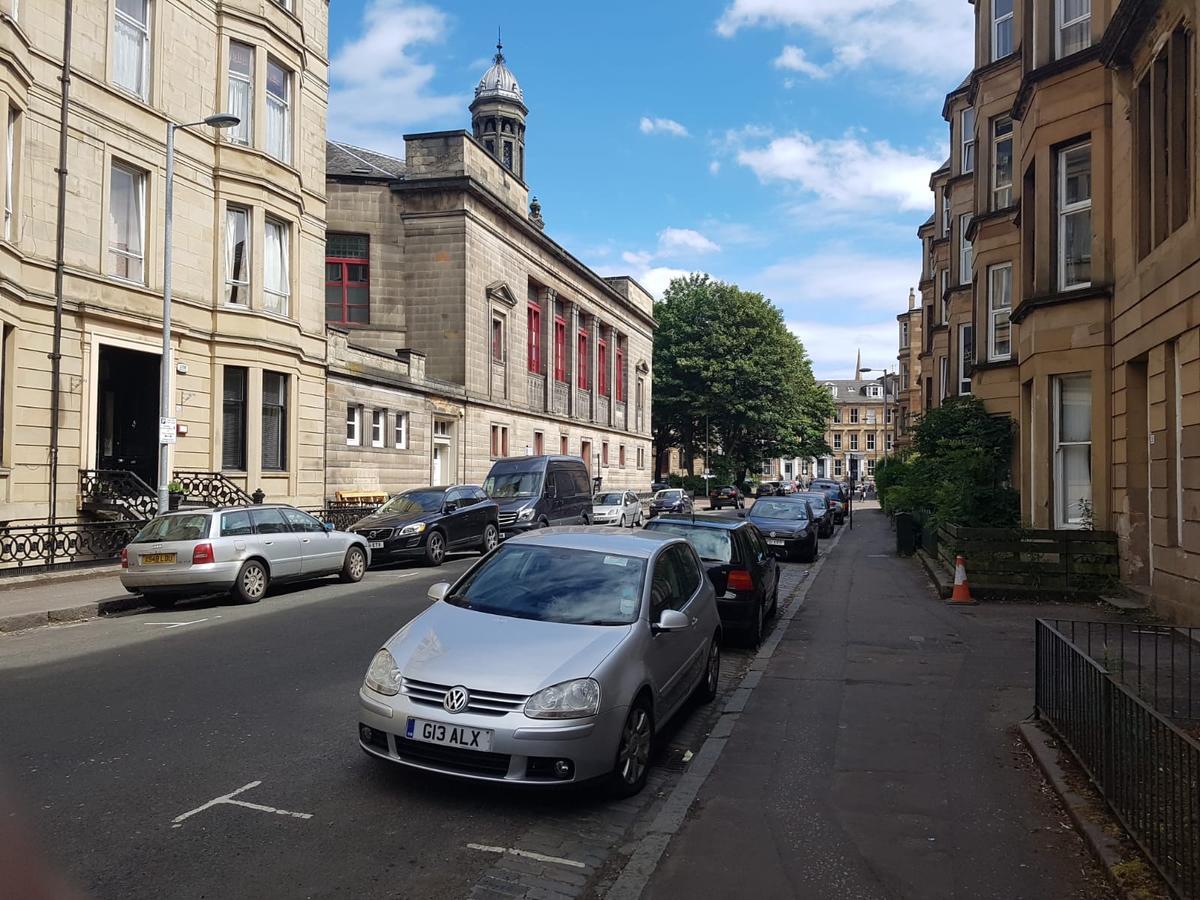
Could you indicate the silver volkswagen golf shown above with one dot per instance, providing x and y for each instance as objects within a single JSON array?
[{"x": 553, "y": 660}]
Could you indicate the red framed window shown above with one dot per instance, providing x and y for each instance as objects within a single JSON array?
[
  {"x": 560, "y": 348},
  {"x": 497, "y": 339},
  {"x": 534, "y": 341},
  {"x": 602, "y": 364},
  {"x": 347, "y": 279},
  {"x": 620, "y": 373},
  {"x": 581, "y": 348}
]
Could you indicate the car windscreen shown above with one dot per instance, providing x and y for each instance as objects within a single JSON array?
[
  {"x": 816, "y": 501},
  {"x": 712, "y": 545},
  {"x": 504, "y": 484},
  {"x": 414, "y": 502},
  {"x": 555, "y": 584},
  {"x": 778, "y": 509},
  {"x": 608, "y": 500},
  {"x": 186, "y": 527},
  {"x": 673, "y": 494}
]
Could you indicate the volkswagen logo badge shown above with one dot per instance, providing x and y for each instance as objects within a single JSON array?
[
  {"x": 456, "y": 699},
  {"x": 772, "y": 534}
]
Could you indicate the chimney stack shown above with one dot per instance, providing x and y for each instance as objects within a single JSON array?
[{"x": 912, "y": 299}]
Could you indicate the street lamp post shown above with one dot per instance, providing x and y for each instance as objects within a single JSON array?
[
  {"x": 886, "y": 375},
  {"x": 166, "y": 413}
]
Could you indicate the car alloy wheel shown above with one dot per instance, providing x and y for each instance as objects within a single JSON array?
[
  {"x": 435, "y": 549},
  {"x": 355, "y": 565},
  {"x": 712, "y": 673},
  {"x": 491, "y": 537},
  {"x": 622, "y": 521},
  {"x": 252, "y": 581},
  {"x": 634, "y": 754}
]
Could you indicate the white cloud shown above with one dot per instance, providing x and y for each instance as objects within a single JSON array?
[
  {"x": 833, "y": 348},
  {"x": 650, "y": 125},
  {"x": 682, "y": 241},
  {"x": 843, "y": 281},
  {"x": 926, "y": 39},
  {"x": 639, "y": 258},
  {"x": 657, "y": 279},
  {"x": 794, "y": 59},
  {"x": 379, "y": 87},
  {"x": 714, "y": 167},
  {"x": 846, "y": 172}
]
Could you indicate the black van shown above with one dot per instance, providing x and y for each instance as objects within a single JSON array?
[{"x": 539, "y": 491}]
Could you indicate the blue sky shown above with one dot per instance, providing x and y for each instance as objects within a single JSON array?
[{"x": 784, "y": 145}]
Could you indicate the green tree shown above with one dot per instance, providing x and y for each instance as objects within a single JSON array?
[{"x": 727, "y": 369}]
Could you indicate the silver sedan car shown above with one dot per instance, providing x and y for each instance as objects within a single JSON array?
[
  {"x": 241, "y": 550},
  {"x": 617, "y": 508},
  {"x": 553, "y": 660}
]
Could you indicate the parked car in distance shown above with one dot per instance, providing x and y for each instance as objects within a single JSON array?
[
  {"x": 657, "y": 486},
  {"x": 789, "y": 487},
  {"x": 557, "y": 659},
  {"x": 241, "y": 550},
  {"x": 822, "y": 512},
  {"x": 539, "y": 491},
  {"x": 617, "y": 508},
  {"x": 427, "y": 523},
  {"x": 726, "y": 495},
  {"x": 768, "y": 489},
  {"x": 744, "y": 574},
  {"x": 787, "y": 526},
  {"x": 833, "y": 494},
  {"x": 670, "y": 500}
]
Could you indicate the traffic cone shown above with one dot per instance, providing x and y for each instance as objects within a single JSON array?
[{"x": 962, "y": 590}]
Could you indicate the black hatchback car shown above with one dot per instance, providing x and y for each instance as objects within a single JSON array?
[
  {"x": 787, "y": 526},
  {"x": 822, "y": 511},
  {"x": 743, "y": 573},
  {"x": 427, "y": 523}
]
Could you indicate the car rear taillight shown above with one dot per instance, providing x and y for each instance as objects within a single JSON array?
[
  {"x": 202, "y": 554},
  {"x": 740, "y": 580},
  {"x": 124, "y": 557}
]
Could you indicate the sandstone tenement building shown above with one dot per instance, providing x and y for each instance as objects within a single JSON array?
[
  {"x": 1060, "y": 278},
  {"x": 463, "y": 331}
]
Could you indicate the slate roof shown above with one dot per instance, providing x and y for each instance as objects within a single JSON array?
[{"x": 348, "y": 160}]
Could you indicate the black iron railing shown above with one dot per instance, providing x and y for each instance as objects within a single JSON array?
[
  {"x": 38, "y": 546},
  {"x": 342, "y": 517},
  {"x": 116, "y": 493},
  {"x": 1146, "y": 767},
  {"x": 211, "y": 489}
]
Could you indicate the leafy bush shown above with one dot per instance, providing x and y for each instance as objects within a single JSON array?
[{"x": 960, "y": 470}]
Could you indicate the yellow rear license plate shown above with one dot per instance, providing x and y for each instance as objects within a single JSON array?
[{"x": 158, "y": 559}]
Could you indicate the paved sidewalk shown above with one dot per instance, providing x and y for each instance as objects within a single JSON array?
[
  {"x": 32, "y": 600},
  {"x": 877, "y": 757}
]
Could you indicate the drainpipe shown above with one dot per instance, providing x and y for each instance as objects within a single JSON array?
[{"x": 59, "y": 250}]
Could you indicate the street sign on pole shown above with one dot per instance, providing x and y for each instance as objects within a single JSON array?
[{"x": 166, "y": 430}]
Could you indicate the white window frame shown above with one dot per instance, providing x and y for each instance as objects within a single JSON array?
[
  {"x": 400, "y": 431},
  {"x": 837, "y": 441},
  {"x": 283, "y": 152},
  {"x": 1060, "y": 499},
  {"x": 945, "y": 211},
  {"x": 1060, "y": 26},
  {"x": 1002, "y": 194},
  {"x": 966, "y": 250},
  {"x": 871, "y": 441},
  {"x": 853, "y": 440},
  {"x": 999, "y": 313},
  {"x": 243, "y": 132},
  {"x": 943, "y": 378},
  {"x": 997, "y": 22},
  {"x": 944, "y": 297},
  {"x": 139, "y": 184},
  {"x": 966, "y": 162},
  {"x": 9, "y": 185},
  {"x": 378, "y": 427},
  {"x": 854, "y": 415},
  {"x": 904, "y": 334},
  {"x": 142, "y": 31},
  {"x": 353, "y": 425},
  {"x": 1066, "y": 210},
  {"x": 247, "y": 257},
  {"x": 964, "y": 380},
  {"x": 277, "y": 297}
]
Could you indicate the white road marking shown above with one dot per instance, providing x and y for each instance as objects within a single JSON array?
[
  {"x": 227, "y": 799},
  {"x": 528, "y": 854},
  {"x": 181, "y": 624}
]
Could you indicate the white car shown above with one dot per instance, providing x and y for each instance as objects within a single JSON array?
[{"x": 617, "y": 508}]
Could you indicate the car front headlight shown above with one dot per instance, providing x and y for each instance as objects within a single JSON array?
[
  {"x": 569, "y": 700},
  {"x": 383, "y": 676},
  {"x": 414, "y": 528},
  {"x": 526, "y": 514}
]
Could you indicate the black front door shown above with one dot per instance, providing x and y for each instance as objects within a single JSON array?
[{"x": 127, "y": 413}]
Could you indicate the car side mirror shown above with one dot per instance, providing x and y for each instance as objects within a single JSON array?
[
  {"x": 438, "y": 591},
  {"x": 671, "y": 620},
  {"x": 450, "y": 507},
  {"x": 328, "y": 526}
]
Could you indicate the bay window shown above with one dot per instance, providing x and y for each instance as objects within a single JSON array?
[
  {"x": 126, "y": 222},
  {"x": 1072, "y": 450},
  {"x": 943, "y": 378},
  {"x": 1072, "y": 26},
  {"x": 1002, "y": 162},
  {"x": 1075, "y": 217},
  {"x": 9, "y": 182},
  {"x": 279, "y": 116},
  {"x": 131, "y": 47},
  {"x": 967, "y": 161},
  {"x": 999, "y": 310},
  {"x": 966, "y": 355},
  {"x": 1002, "y": 29},
  {"x": 241, "y": 91},
  {"x": 237, "y": 255},
  {"x": 965, "y": 250},
  {"x": 277, "y": 280}
]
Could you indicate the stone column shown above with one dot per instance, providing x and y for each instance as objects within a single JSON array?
[
  {"x": 572, "y": 359},
  {"x": 611, "y": 376},
  {"x": 593, "y": 359},
  {"x": 549, "y": 297}
]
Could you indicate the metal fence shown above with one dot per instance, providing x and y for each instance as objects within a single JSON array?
[
  {"x": 341, "y": 517},
  {"x": 1145, "y": 766},
  {"x": 37, "y": 546}
]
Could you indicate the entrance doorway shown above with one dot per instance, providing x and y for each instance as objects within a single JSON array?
[
  {"x": 441, "y": 468},
  {"x": 127, "y": 412},
  {"x": 585, "y": 450}
]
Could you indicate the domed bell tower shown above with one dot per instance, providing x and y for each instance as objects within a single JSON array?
[{"x": 498, "y": 115}]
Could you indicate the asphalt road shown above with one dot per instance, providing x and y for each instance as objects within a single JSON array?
[{"x": 114, "y": 727}]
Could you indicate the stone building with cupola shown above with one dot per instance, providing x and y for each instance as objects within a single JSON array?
[{"x": 460, "y": 330}]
